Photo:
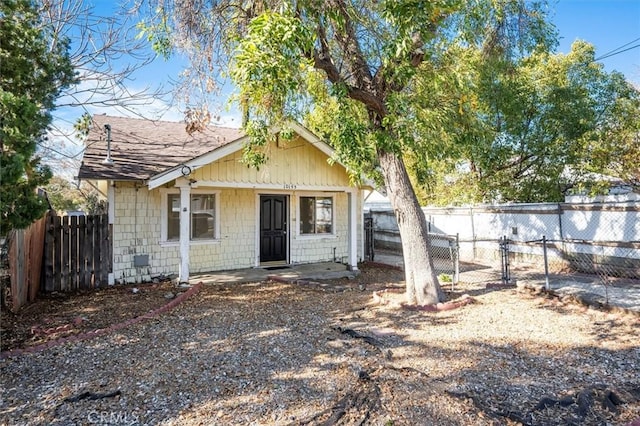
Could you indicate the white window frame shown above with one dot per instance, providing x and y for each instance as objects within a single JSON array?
[
  {"x": 164, "y": 217},
  {"x": 299, "y": 234}
]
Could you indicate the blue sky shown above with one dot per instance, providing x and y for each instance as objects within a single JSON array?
[{"x": 607, "y": 24}]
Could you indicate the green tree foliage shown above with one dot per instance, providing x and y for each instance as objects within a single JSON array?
[
  {"x": 31, "y": 76},
  {"x": 64, "y": 196},
  {"x": 527, "y": 130},
  {"x": 613, "y": 147},
  {"x": 358, "y": 59}
]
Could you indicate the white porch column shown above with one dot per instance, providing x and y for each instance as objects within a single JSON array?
[
  {"x": 111, "y": 210},
  {"x": 185, "y": 207},
  {"x": 353, "y": 229}
]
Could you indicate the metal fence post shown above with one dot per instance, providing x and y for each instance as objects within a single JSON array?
[
  {"x": 456, "y": 263},
  {"x": 546, "y": 263},
  {"x": 504, "y": 252},
  {"x": 369, "y": 237}
]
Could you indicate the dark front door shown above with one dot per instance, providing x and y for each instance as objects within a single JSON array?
[{"x": 273, "y": 228}]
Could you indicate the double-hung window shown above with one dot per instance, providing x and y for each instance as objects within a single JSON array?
[
  {"x": 202, "y": 217},
  {"x": 316, "y": 215}
]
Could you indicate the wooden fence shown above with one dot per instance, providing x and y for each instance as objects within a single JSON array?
[
  {"x": 59, "y": 254},
  {"x": 26, "y": 248},
  {"x": 77, "y": 253}
]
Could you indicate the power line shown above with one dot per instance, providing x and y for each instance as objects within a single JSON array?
[
  {"x": 618, "y": 50},
  {"x": 614, "y": 54}
]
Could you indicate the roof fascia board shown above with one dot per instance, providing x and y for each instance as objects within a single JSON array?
[
  {"x": 196, "y": 163},
  {"x": 111, "y": 179}
]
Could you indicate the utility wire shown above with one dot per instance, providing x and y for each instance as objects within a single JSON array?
[
  {"x": 618, "y": 50},
  {"x": 616, "y": 53}
]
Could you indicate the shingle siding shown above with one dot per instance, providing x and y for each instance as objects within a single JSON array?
[
  {"x": 149, "y": 154},
  {"x": 137, "y": 231},
  {"x": 296, "y": 163}
]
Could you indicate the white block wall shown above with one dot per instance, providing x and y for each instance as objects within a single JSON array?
[{"x": 483, "y": 225}]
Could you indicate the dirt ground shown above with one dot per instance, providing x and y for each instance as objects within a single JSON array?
[
  {"x": 64, "y": 314},
  {"x": 294, "y": 354}
]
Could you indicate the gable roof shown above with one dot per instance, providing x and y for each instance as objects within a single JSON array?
[
  {"x": 142, "y": 148},
  {"x": 158, "y": 151},
  {"x": 224, "y": 150}
]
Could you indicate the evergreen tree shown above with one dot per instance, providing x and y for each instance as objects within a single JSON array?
[{"x": 34, "y": 68}]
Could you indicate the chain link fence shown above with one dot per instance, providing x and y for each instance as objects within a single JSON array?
[
  {"x": 558, "y": 245},
  {"x": 607, "y": 269},
  {"x": 455, "y": 259}
]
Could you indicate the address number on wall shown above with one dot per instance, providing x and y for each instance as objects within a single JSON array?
[{"x": 289, "y": 186}]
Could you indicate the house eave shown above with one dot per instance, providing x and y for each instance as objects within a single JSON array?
[
  {"x": 110, "y": 178},
  {"x": 188, "y": 167}
]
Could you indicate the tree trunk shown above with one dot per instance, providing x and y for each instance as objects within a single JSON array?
[{"x": 420, "y": 275}]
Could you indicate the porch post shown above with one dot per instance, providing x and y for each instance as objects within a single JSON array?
[
  {"x": 353, "y": 229},
  {"x": 111, "y": 211},
  {"x": 185, "y": 206}
]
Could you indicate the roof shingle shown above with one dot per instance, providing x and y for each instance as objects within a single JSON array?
[{"x": 142, "y": 148}]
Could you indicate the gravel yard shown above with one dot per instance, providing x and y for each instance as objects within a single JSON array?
[{"x": 294, "y": 354}]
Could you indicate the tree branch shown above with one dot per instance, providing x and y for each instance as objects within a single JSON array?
[
  {"x": 350, "y": 45},
  {"x": 322, "y": 61},
  {"x": 370, "y": 100}
]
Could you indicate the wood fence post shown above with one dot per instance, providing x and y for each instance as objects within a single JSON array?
[
  {"x": 38, "y": 236},
  {"x": 82, "y": 257},
  {"x": 49, "y": 250},
  {"x": 64, "y": 261},
  {"x": 104, "y": 250},
  {"x": 16, "y": 268},
  {"x": 89, "y": 275},
  {"x": 57, "y": 254},
  {"x": 73, "y": 252}
]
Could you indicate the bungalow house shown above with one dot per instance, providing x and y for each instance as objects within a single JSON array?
[{"x": 180, "y": 203}]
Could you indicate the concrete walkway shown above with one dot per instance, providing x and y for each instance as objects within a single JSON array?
[{"x": 312, "y": 271}]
